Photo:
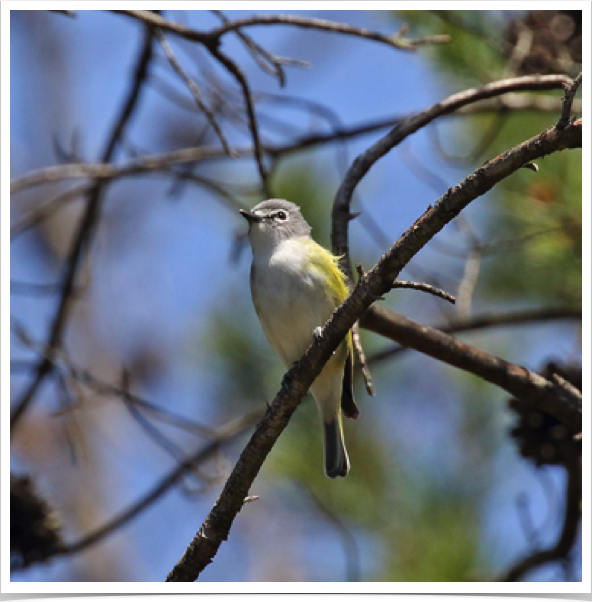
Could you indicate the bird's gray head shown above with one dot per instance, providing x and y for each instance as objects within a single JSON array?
[{"x": 275, "y": 220}]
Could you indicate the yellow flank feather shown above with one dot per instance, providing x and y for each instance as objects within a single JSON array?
[{"x": 331, "y": 274}]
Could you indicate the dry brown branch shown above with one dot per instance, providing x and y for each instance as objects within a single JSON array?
[
  {"x": 363, "y": 163},
  {"x": 193, "y": 89},
  {"x": 426, "y": 288},
  {"x": 212, "y": 38},
  {"x": 570, "y": 92},
  {"x": 501, "y": 319},
  {"x": 110, "y": 171},
  {"x": 554, "y": 399},
  {"x": 236, "y": 72},
  {"x": 528, "y": 386}
]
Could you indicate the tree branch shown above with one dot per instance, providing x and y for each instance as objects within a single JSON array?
[
  {"x": 488, "y": 321},
  {"x": 377, "y": 282},
  {"x": 212, "y": 38},
  {"x": 152, "y": 163},
  {"x": 363, "y": 163},
  {"x": 549, "y": 397},
  {"x": 193, "y": 89}
]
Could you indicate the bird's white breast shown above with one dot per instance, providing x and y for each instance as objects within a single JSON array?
[{"x": 289, "y": 297}]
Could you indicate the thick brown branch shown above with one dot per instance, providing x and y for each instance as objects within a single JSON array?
[
  {"x": 488, "y": 321},
  {"x": 377, "y": 282},
  {"x": 549, "y": 397}
]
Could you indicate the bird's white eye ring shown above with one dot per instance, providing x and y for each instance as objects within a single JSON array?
[{"x": 282, "y": 215}]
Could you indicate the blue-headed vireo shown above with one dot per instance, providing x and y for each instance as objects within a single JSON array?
[{"x": 296, "y": 285}]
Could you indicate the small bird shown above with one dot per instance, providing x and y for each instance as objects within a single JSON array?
[{"x": 296, "y": 285}]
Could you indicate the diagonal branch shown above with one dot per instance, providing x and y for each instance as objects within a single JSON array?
[
  {"x": 193, "y": 89},
  {"x": 235, "y": 71},
  {"x": 377, "y": 282},
  {"x": 487, "y": 321},
  {"x": 363, "y": 163},
  {"x": 549, "y": 397}
]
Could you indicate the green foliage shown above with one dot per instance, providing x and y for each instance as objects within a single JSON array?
[{"x": 533, "y": 235}]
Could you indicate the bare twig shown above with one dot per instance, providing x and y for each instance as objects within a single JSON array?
[
  {"x": 362, "y": 359},
  {"x": 268, "y": 62},
  {"x": 194, "y": 90},
  {"x": 398, "y": 41},
  {"x": 212, "y": 38},
  {"x": 426, "y": 288},
  {"x": 502, "y": 319},
  {"x": 235, "y": 71},
  {"x": 570, "y": 91},
  {"x": 227, "y": 434},
  {"x": 109, "y": 171},
  {"x": 360, "y": 350},
  {"x": 154, "y": 163}
]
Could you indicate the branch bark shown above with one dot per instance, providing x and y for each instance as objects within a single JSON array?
[
  {"x": 528, "y": 386},
  {"x": 377, "y": 282},
  {"x": 212, "y": 38},
  {"x": 363, "y": 163}
]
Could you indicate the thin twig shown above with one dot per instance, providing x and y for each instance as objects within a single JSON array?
[
  {"x": 156, "y": 162},
  {"x": 227, "y": 434},
  {"x": 357, "y": 342},
  {"x": 109, "y": 171},
  {"x": 363, "y": 163},
  {"x": 235, "y": 71},
  {"x": 570, "y": 92},
  {"x": 502, "y": 319},
  {"x": 268, "y": 62},
  {"x": 362, "y": 359},
  {"x": 397, "y": 40},
  {"x": 212, "y": 38},
  {"x": 194, "y": 91},
  {"x": 426, "y": 288}
]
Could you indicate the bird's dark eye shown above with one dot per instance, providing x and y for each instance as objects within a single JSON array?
[{"x": 282, "y": 215}]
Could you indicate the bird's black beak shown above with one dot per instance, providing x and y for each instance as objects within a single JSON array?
[{"x": 250, "y": 217}]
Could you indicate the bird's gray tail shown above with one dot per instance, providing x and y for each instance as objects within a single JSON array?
[{"x": 336, "y": 460}]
